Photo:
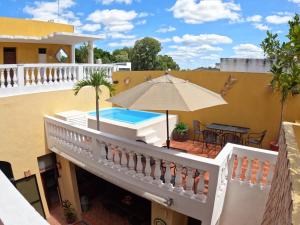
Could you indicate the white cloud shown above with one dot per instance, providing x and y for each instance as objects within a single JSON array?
[
  {"x": 189, "y": 39},
  {"x": 121, "y": 36},
  {"x": 48, "y": 10},
  {"x": 200, "y": 11},
  {"x": 248, "y": 51},
  {"x": 166, "y": 29},
  {"x": 280, "y": 18},
  {"x": 107, "y": 2},
  {"x": 261, "y": 26},
  {"x": 144, "y": 14},
  {"x": 163, "y": 40},
  {"x": 114, "y": 20},
  {"x": 295, "y": 1},
  {"x": 90, "y": 27},
  {"x": 123, "y": 43},
  {"x": 254, "y": 18},
  {"x": 141, "y": 22}
]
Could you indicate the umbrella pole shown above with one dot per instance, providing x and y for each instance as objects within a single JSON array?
[{"x": 168, "y": 137}]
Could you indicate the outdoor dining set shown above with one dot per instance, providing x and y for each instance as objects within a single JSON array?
[{"x": 214, "y": 134}]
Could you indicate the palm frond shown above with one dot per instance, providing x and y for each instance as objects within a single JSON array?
[{"x": 81, "y": 84}]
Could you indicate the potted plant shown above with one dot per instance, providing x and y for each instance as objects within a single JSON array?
[
  {"x": 69, "y": 212},
  {"x": 285, "y": 68},
  {"x": 180, "y": 132}
]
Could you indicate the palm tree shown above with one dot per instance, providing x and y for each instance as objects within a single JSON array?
[{"x": 96, "y": 80}]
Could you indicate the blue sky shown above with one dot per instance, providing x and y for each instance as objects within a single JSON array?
[{"x": 194, "y": 32}]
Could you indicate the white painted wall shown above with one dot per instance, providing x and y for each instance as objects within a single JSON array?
[
  {"x": 243, "y": 205},
  {"x": 245, "y": 65}
]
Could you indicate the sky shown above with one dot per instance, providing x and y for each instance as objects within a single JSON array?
[{"x": 194, "y": 32}]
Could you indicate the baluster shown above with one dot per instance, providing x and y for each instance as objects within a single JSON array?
[
  {"x": 15, "y": 77},
  {"x": 109, "y": 155},
  {"x": 103, "y": 152},
  {"x": 117, "y": 160},
  {"x": 270, "y": 174},
  {"x": 8, "y": 78},
  {"x": 27, "y": 78},
  {"x": 248, "y": 177},
  {"x": 201, "y": 187},
  {"x": 32, "y": 76},
  {"x": 168, "y": 176},
  {"x": 60, "y": 75},
  {"x": 124, "y": 160},
  {"x": 50, "y": 77},
  {"x": 148, "y": 177},
  {"x": 139, "y": 166},
  {"x": 2, "y": 80},
  {"x": 178, "y": 179},
  {"x": 238, "y": 171},
  {"x": 55, "y": 75},
  {"x": 259, "y": 173},
  {"x": 189, "y": 183},
  {"x": 157, "y": 172},
  {"x": 131, "y": 165},
  {"x": 69, "y": 74},
  {"x": 38, "y": 75}
]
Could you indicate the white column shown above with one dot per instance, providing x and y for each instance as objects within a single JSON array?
[
  {"x": 73, "y": 54},
  {"x": 91, "y": 52}
]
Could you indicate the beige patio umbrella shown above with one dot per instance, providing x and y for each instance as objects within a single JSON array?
[{"x": 167, "y": 93}]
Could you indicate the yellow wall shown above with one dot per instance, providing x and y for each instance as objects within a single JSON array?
[
  {"x": 28, "y": 53},
  {"x": 25, "y": 27},
  {"x": 22, "y": 137},
  {"x": 251, "y": 102}
]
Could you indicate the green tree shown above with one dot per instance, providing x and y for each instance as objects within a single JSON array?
[
  {"x": 122, "y": 54},
  {"x": 97, "y": 80},
  {"x": 81, "y": 54},
  {"x": 144, "y": 54},
  {"x": 164, "y": 62},
  {"x": 105, "y": 56},
  {"x": 286, "y": 62}
]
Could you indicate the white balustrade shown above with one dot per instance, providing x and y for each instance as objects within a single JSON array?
[
  {"x": 32, "y": 78},
  {"x": 196, "y": 185}
]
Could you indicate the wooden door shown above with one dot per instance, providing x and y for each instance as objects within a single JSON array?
[{"x": 9, "y": 56}]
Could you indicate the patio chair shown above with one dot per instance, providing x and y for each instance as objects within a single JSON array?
[
  {"x": 197, "y": 131},
  {"x": 210, "y": 137},
  {"x": 256, "y": 139},
  {"x": 231, "y": 138}
]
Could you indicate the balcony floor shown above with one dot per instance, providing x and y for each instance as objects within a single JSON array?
[{"x": 197, "y": 148}]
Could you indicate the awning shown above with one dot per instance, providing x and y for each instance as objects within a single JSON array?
[{"x": 55, "y": 38}]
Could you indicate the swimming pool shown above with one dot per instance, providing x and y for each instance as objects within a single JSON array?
[{"x": 126, "y": 115}]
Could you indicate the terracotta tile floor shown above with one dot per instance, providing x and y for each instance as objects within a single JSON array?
[{"x": 197, "y": 148}]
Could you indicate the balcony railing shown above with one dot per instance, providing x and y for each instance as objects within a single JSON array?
[
  {"x": 190, "y": 184},
  {"x": 30, "y": 78}
]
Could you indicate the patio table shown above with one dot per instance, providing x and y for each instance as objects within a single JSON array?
[{"x": 229, "y": 128}]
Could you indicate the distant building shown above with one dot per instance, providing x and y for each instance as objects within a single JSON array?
[
  {"x": 122, "y": 66},
  {"x": 245, "y": 65}
]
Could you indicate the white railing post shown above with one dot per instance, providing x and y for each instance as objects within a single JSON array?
[
  {"x": 80, "y": 75},
  {"x": 20, "y": 75}
]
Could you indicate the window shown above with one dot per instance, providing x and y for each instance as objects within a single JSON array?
[{"x": 42, "y": 51}]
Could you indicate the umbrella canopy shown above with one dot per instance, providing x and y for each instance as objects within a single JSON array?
[{"x": 167, "y": 93}]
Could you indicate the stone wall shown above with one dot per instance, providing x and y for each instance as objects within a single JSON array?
[{"x": 283, "y": 203}]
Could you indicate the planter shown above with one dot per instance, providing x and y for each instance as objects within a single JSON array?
[
  {"x": 274, "y": 146},
  {"x": 176, "y": 136}
]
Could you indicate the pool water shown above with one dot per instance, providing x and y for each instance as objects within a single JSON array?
[{"x": 126, "y": 115}]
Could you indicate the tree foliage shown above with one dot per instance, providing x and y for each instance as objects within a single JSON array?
[
  {"x": 144, "y": 54},
  {"x": 164, "y": 62},
  {"x": 286, "y": 61}
]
